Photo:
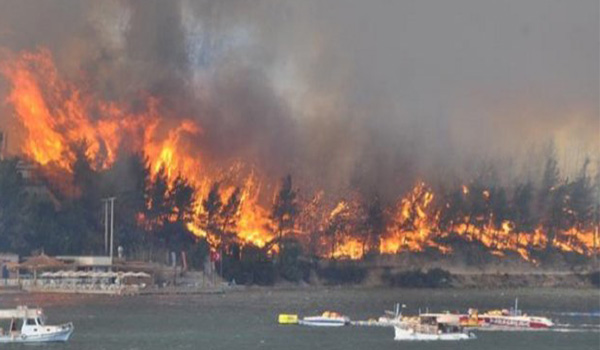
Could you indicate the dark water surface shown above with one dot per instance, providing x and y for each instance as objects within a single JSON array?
[{"x": 247, "y": 319}]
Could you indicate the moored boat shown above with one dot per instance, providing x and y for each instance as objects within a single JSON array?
[
  {"x": 501, "y": 319},
  {"x": 428, "y": 328},
  {"x": 29, "y": 326},
  {"x": 327, "y": 319},
  {"x": 512, "y": 319},
  {"x": 505, "y": 319},
  {"x": 391, "y": 318}
]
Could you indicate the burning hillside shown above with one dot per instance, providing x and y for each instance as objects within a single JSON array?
[
  {"x": 238, "y": 203},
  {"x": 58, "y": 116}
]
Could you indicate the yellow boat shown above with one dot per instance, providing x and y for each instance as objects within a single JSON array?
[{"x": 288, "y": 319}]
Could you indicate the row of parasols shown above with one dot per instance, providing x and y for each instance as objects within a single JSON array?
[{"x": 94, "y": 274}]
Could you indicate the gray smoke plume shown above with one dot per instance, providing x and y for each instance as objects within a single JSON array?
[{"x": 367, "y": 95}]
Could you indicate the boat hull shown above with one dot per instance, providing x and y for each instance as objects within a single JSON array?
[
  {"x": 408, "y": 334},
  {"x": 323, "y": 322},
  {"x": 507, "y": 322}
]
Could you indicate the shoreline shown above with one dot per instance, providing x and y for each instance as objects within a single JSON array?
[{"x": 458, "y": 281}]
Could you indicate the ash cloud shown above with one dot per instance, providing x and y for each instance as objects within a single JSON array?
[{"x": 342, "y": 94}]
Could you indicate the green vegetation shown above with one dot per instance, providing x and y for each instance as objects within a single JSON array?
[{"x": 342, "y": 273}]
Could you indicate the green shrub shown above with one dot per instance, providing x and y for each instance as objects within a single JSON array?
[{"x": 342, "y": 274}]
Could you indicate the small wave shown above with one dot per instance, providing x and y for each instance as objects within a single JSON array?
[
  {"x": 578, "y": 325},
  {"x": 561, "y": 328},
  {"x": 575, "y": 330},
  {"x": 578, "y": 314}
]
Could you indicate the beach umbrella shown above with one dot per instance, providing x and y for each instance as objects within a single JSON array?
[
  {"x": 80, "y": 274},
  {"x": 95, "y": 274},
  {"x": 41, "y": 261}
]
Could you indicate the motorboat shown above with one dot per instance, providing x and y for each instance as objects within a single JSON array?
[
  {"x": 428, "y": 328},
  {"x": 512, "y": 319},
  {"x": 501, "y": 319},
  {"x": 504, "y": 319},
  {"x": 327, "y": 319},
  {"x": 29, "y": 326}
]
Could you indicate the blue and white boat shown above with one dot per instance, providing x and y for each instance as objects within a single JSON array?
[{"x": 29, "y": 326}]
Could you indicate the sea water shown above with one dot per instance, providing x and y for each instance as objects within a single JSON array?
[{"x": 247, "y": 318}]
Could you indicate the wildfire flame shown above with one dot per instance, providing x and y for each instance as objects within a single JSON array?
[{"x": 57, "y": 114}]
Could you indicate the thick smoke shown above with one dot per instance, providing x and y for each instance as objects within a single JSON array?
[{"x": 366, "y": 95}]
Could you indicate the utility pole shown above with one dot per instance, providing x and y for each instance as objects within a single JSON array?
[
  {"x": 112, "y": 225},
  {"x": 109, "y": 244},
  {"x": 105, "y": 226}
]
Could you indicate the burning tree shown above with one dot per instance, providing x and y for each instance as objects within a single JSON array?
[
  {"x": 522, "y": 211},
  {"x": 374, "y": 226},
  {"x": 230, "y": 214},
  {"x": 285, "y": 208},
  {"x": 338, "y": 224},
  {"x": 550, "y": 200}
]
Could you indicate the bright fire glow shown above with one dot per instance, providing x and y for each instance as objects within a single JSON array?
[{"x": 57, "y": 114}]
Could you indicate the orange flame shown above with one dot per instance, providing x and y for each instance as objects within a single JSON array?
[{"x": 55, "y": 114}]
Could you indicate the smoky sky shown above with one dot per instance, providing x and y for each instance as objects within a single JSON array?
[{"x": 342, "y": 93}]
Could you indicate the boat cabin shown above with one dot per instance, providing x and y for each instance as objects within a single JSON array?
[
  {"x": 438, "y": 325},
  {"x": 21, "y": 320},
  {"x": 24, "y": 325}
]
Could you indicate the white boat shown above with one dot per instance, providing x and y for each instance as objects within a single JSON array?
[
  {"x": 29, "y": 326},
  {"x": 327, "y": 319},
  {"x": 391, "y": 318},
  {"x": 427, "y": 328}
]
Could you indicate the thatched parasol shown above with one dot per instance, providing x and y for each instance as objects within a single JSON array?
[{"x": 40, "y": 262}]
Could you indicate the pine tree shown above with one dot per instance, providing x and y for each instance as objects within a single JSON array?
[
  {"x": 159, "y": 206},
  {"x": 285, "y": 208},
  {"x": 181, "y": 195},
  {"x": 522, "y": 205},
  {"x": 211, "y": 215},
  {"x": 550, "y": 199},
  {"x": 374, "y": 226},
  {"x": 581, "y": 199},
  {"x": 230, "y": 215}
]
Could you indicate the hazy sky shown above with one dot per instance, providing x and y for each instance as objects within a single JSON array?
[{"x": 352, "y": 92}]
